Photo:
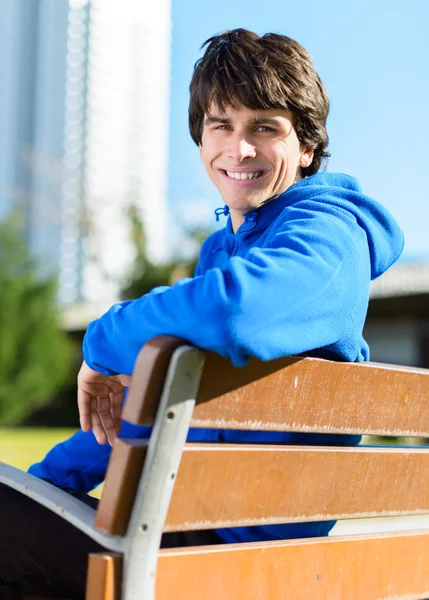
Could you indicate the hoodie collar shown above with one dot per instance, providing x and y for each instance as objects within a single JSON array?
[
  {"x": 259, "y": 218},
  {"x": 268, "y": 212}
]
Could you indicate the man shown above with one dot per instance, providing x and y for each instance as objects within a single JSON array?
[{"x": 289, "y": 273}]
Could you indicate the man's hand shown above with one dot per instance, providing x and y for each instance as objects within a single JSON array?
[{"x": 99, "y": 398}]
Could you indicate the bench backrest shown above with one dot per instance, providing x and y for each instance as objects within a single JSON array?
[{"x": 227, "y": 485}]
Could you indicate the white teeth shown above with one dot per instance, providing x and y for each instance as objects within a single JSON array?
[{"x": 235, "y": 175}]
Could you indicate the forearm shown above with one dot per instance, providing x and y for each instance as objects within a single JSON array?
[{"x": 80, "y": 462}]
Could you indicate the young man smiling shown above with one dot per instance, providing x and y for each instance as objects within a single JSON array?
[
  {"x": 288, "y": 274},
  {"x": 251, "y": 156}
]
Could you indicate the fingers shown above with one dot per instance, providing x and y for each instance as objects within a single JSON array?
[
  {"x": 97, "y": 425},
  {"x": 85, "y": 411},
  {"x": 96, "y": 414},
  {"x": 107, "y": 418},
  {"x": 116, "y": 409},
  {"x": 100, "y": 403}
]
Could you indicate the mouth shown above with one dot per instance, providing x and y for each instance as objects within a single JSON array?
[{"x": 240, "y": 176}]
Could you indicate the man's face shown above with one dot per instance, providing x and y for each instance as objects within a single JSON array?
[{"x": 251, "y": 155}]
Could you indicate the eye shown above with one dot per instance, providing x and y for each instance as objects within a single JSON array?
[
  {"x": 223, "y": 127},
  {"x": 264, "y": 128}
]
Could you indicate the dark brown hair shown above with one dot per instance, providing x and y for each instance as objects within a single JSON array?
[{"x": 268, "y": 72}]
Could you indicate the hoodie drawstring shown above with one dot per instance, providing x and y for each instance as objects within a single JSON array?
[{"x": 221, "y": 211}]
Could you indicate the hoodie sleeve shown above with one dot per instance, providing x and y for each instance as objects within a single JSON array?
[
  {"x": 80, "y": 462},
  {"x": 291, "y": 295}
]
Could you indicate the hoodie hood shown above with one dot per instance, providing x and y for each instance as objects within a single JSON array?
[{"x": 385, "y": 238}]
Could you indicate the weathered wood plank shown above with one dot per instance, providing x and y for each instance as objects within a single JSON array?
[
  {"x": 148, "y": 379},
  {"x": 310, "y": 394},
  {"x": 360, "y": 568},
  {"x": 288, "y": 393},
  {"x": 104, "y": 576},
  {"x": 225, "y": 485},
  {"x": 120, "y": 487}
]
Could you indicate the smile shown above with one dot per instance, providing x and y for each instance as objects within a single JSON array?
[{"x": 243, "y": 176}]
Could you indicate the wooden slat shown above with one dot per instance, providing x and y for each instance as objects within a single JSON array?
[
  {"x": 120, "y": 487},
  {"x": 313, "y": 395},
  {"x": 148, "y": 379},
  {"x": 287, "y": 394},
  {"x": 229, "y": 485},
  {"x": 104, "y": 576},
  {"x": 356, "y": 568}
]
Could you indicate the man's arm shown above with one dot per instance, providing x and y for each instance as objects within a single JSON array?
[
  {"x": 285, "y": 298},
  {"x": 306, "y": 288},
  {"x": 80, "y": 462}
]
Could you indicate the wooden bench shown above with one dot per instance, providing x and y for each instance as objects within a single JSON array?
[{"x": 168, "y": 485}]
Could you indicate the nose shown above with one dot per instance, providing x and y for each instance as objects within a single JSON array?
[{"x": 241, "y": 148}]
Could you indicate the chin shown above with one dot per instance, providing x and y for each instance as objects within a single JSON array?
[
  {"x": 241, "y": 206},
  {"x": 247, "y": 203}
]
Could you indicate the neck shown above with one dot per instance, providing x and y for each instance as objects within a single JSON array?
[{"x": 237, "y": 218}]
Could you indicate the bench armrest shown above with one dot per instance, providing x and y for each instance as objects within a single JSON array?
[{"x": 58, "y": 501}]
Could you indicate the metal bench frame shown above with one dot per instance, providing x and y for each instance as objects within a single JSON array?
[{"x": 140, "y": 545}]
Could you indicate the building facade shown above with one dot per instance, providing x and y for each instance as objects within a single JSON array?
[
  {"x": 84, "y": 109},
  {"x": 32, "y": 76}
]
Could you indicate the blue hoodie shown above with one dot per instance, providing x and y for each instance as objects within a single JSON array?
[{"x": 293, "y": 279}]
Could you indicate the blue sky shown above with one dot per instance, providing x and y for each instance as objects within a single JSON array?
[{"x": 373, "y": 57}]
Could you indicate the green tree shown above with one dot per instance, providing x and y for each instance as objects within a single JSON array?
[
  {"x": 145, "y": 274},
  {"x": 196, "y": 235},
  {"x": 35, "y": 354}
]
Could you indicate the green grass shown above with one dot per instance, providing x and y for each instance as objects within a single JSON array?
[{"x": 23, "y": 446}]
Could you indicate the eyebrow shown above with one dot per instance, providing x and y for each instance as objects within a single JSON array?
[
  {"x": 256, "y": 121},
  {"x": 215, "y": 119},
  {"x": 264, "y": 120}
]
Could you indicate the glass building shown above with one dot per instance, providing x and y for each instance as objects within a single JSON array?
[{"x": 84, "y": 109}]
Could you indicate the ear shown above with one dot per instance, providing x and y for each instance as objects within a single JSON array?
[
  {"x": 200, "y": 146},
  {"x": 306, "y": 158}
]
